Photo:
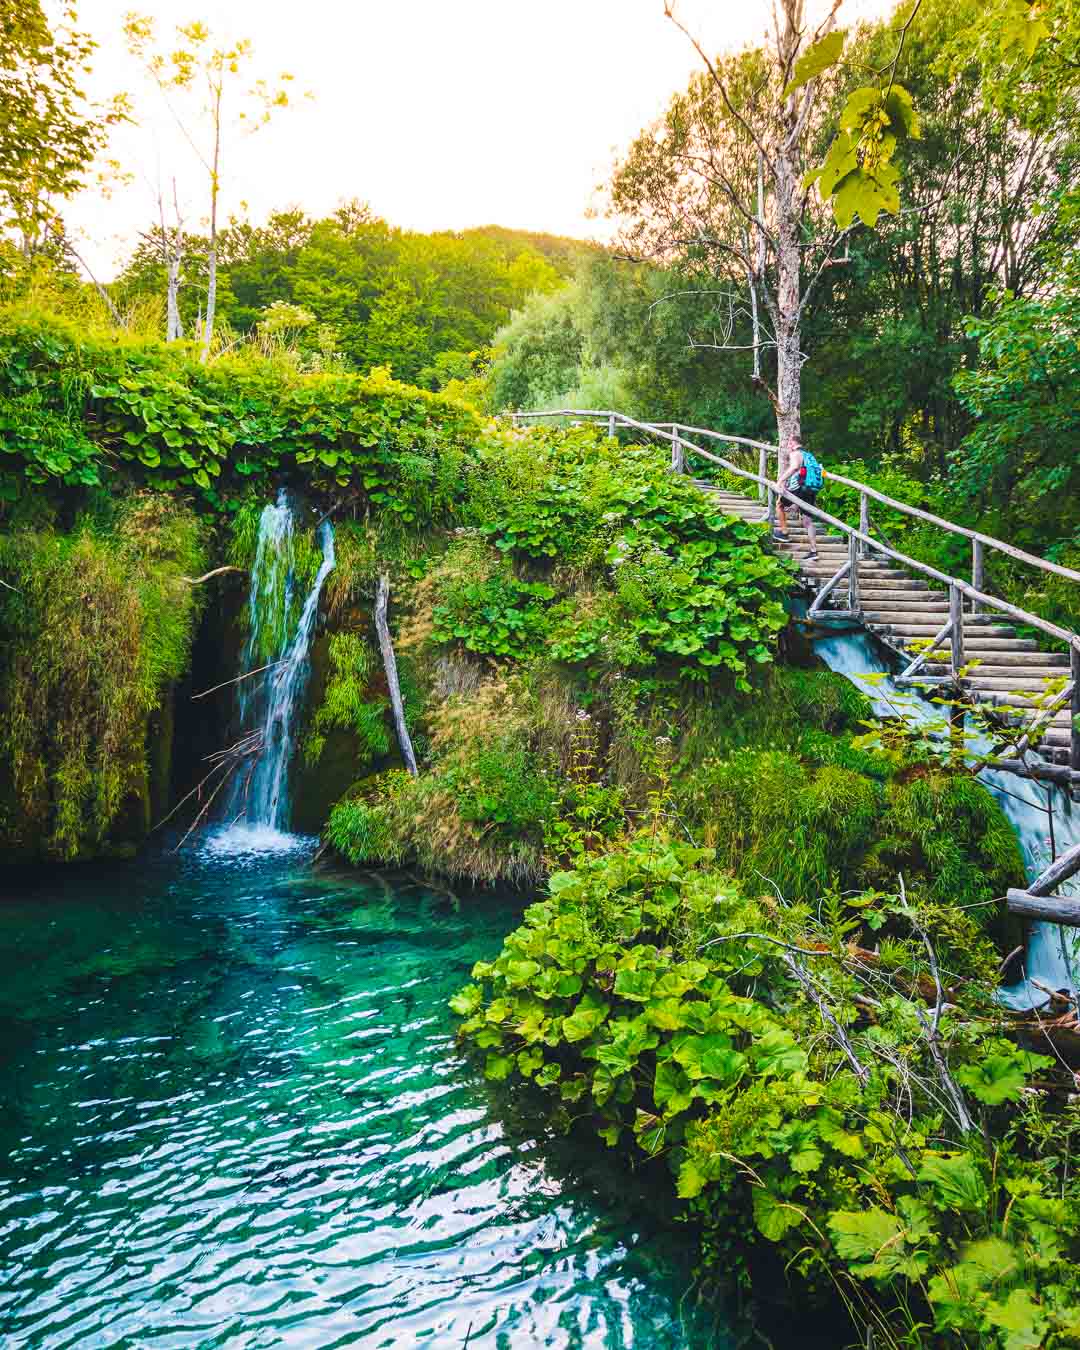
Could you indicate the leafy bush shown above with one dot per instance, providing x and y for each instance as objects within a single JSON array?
[
  {"x": 81, "y": 409},
  {"x": 680, "y": 588},
  {"x": 658, "y": 1006},
  {"x": 501, "y": 616}
]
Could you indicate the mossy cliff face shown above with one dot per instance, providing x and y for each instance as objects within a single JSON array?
[{"x": 97, "y": 622}]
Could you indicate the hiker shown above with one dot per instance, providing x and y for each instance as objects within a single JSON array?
[{"x": 803, "y": 478}]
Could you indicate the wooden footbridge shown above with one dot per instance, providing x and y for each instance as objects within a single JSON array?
[{"x": 941, "y": 630}]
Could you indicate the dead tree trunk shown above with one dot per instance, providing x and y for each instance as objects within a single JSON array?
[{"x": 382, "y": 628}]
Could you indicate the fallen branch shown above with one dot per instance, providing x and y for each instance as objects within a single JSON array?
[
  {"x": 236, "y": 679},
  {"x": 198, "y": 581},
  {"x": 382, "y": 598}
]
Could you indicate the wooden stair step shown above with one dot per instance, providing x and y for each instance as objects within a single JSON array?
[
  {"x": 927, "y": 630},
  {"x": 1006, "y": 683},
  {"x": 997, "y": 670}
]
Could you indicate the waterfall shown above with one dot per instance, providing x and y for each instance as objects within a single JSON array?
[
  {"x": 1053, "y": 952},
  {"x": 269, "y": 702}
]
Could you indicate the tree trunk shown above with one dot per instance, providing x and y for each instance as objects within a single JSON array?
[
  {"x": 382, "y": 598},
  {"x": 174, "y": 326},
  {"x": 211, "y": 280},
  {"x": 789, "y": 255}
]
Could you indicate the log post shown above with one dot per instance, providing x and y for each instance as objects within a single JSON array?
[
  {"x": 678, "y": 459},
  {"x": 864, "y": 520},
  {"x": 956, "y": 619},
  {"x": 1063, "y": 909},
  {"x": 382, "y": 598},
  {"x": 1074, "y": 707},
  {"x": 611, "y": 425},
  {"x": 978, "y": 572},
  {"x": 763, "y": 471},
  {"x": 853, "y": 574}
]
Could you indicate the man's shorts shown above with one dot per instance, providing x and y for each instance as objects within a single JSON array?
[{"x": 805, "y": 494}]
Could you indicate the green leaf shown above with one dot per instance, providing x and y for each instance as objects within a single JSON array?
[
  {"x": 667, "y": 1014},
  {"x": 1021, "y": 1318},
  {"x": 859, "y": 1235},
  {"x": 806, "y": 1159},
  {"x": 711, "y": 1056},
  {"x": 498, "y": 1067},
  {"x": 818, "y": 58},
  {"x": 866, "y": 195},
  {"x": 585, "y": 1018},
  {"x": 776, "y": 1052},
  {"x": 692, "y": 1180},
  {"x": 549, "y": 1075},
  {"x": 635, "y": 984},
  {"x": 774, "y": 1217},
  {"x": 519, "y": 973},
  {"x": 861, "y": 105},
  {"x": 954, "y": 1181},
  {"x": 899, "y": 108},
  {"x": 467, "y": 1000},
  {"x": 528, "y": 1061},
  {"x": 995, "y": 1079},
  {"x": 672, "y": 1090}
]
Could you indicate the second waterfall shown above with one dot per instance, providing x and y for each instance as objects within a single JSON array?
[{"x": 278, "y": 647}]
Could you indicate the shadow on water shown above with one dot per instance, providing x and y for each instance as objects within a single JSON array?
[{"x": 235, "y": 1114}]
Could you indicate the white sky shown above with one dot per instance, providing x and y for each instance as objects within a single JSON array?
[{"x": 441, "y": 115}]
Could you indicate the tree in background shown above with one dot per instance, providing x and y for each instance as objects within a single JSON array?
[
  {"x": 719, "y": 187},
  {"x": 388, "y": 296},
  {"x": 50, "y": 134},
  {"x": 200, "y": 68}
]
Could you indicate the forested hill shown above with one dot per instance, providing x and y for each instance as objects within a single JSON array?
[{"x": 357, "y": 288}]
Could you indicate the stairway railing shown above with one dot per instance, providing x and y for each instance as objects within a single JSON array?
[{"x": 771, "y": 491}]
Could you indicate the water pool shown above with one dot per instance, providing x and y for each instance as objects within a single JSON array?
[{"x": 233, "y": 1114}]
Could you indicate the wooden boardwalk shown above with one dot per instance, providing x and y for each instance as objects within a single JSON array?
[
  {"x": 942, "y": 630},
  {"x": 1005, "y": 673}
]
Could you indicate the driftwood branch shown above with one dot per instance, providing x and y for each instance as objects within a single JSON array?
[
  {"x": 237, "y": 679},
  {"x": 382, "y": 599},
  {"x": 198, "y": 581}
]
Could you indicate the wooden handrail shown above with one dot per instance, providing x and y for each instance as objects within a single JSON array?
[
  {"x": 976, "y": 536},
  {"x": 965, "y": 588}
]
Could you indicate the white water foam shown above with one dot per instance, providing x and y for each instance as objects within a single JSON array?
[{"x": 247, "y": 841}]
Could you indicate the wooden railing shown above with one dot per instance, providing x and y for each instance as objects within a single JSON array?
[{"x": 770, "y": 491}]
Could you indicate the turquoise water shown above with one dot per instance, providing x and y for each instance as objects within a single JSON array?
[{"x": 233, "y": 1114}]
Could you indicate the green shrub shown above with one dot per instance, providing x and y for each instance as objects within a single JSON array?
[
  {"x": 347, "y": 704},
  {"x": 655, "y": 1005}
]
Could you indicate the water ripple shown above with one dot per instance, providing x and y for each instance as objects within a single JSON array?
[{"x": 234, "y": 1115}]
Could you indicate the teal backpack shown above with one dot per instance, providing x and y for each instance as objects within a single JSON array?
[{"x": 811, "y": 476}]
